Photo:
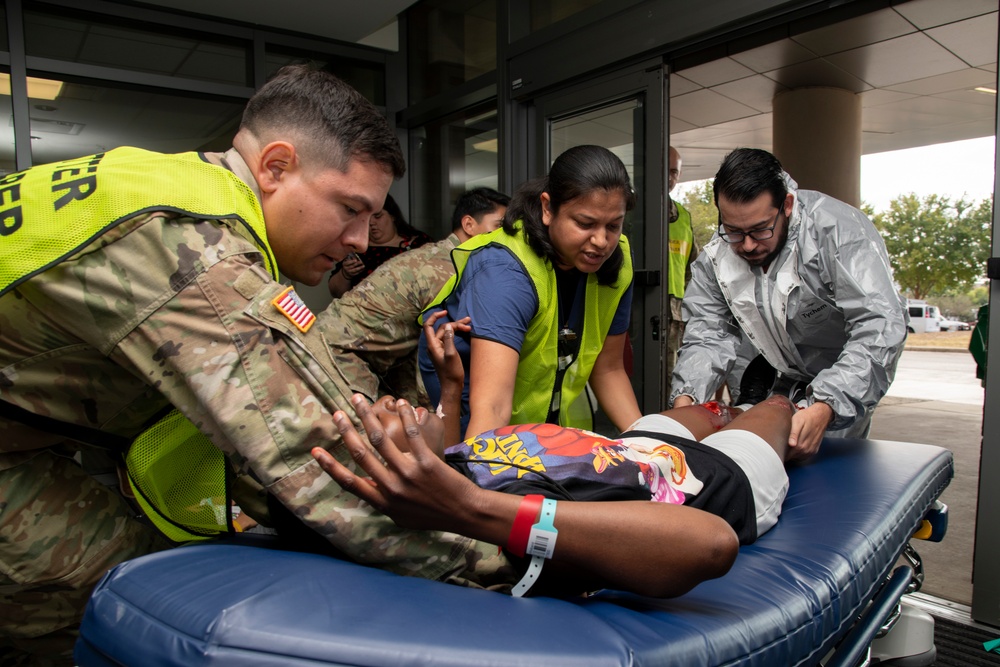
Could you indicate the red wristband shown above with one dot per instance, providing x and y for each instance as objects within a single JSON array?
[{"x": 527, "y": 513}]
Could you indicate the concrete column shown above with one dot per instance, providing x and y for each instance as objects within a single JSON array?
[{"x": 817, "y": 138}]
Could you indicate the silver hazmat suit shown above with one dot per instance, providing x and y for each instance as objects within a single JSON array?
[{"x": 827, "y": 311}]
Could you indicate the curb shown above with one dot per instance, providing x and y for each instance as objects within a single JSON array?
[{"x": 937, "y": 349}]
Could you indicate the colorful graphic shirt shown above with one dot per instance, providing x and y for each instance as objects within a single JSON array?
[{"x": 573, "y": 464}]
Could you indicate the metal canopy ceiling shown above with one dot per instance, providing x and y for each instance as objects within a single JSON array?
[{"x": 915, "y": 65}]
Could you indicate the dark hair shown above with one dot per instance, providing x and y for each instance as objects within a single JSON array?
[
  {"x": 746, "y": 173},
  {"x": 330, "y": 122},
  {"x": 577, "y": 172},
  {"x": 403, "y": 228},
  {"x": 477, "y": 203}
]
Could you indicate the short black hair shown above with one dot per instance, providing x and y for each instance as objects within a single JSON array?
[
  {"x": 329, "y": 120},
  {"x": 477, "y": 203},
  {"x": 746, "y": 173}
]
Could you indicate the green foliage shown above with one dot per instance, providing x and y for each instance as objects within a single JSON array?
[
  {"x": 936, "y": 245},
  {"x": 700, "y": 203},
  {"x": 962, "y": 305},
  {"x": 956, "y": 306}
]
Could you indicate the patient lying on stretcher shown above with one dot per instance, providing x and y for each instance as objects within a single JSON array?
[
  {"x": 716, "y": 458},
  {"x": 716, "y": 493}
]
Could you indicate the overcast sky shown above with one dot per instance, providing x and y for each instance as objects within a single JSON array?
[
  {"x": 953, "y": 169},
  {"x": 945, "y": 169}
]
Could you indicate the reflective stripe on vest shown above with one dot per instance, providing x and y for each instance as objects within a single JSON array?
[
  {"x": 681, "y": 243},
  {"x": 50, "y": 211},
  {"x": 539, "y": 358}
]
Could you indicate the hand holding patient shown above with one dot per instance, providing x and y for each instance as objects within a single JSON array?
[
  {"x": 621, "y": 544},
  {"x": 413, "y": 486},
  {"x": 808, "y": 428}
]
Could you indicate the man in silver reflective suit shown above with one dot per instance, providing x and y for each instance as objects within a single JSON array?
[{"x": 806, "y": 280}]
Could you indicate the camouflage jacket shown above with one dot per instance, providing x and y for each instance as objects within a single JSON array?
[
  {"x": 377, "y": 319},
  {"x": 163, "y": 309}
]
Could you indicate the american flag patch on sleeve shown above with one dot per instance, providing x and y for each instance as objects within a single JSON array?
[{"x": 292, "y": 307}]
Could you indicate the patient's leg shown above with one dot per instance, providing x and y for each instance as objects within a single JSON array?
[
  {"x": 771, "y": 419},
  {"x": 703, "y": 419}
]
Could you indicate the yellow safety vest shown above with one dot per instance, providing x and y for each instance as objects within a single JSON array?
[
  {"x": 681, "y": 242},
  {"x": 539, "y": 357},
  {"x": 48, "y": 212}
]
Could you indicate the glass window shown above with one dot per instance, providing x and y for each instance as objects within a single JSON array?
[
  {"x": 447, "y": 158},
  {"x": 8, "y": 163},
  {"x": 3, "y": 29},
  {"x": 612, "y": 127},
  {"x": 85, "y": 39},
  {"x": 450, "y": 42},
  {"x": 546, "y": 12},
  {"x": 366, "y": 77},
  {"x": 82, "y": 118}
]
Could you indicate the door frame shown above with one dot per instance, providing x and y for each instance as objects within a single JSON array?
[
  {"x": 986, "y": 552},
  {"x": 647, "y": 82}
]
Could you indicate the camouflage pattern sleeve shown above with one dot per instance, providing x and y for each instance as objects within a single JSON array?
[
  {"x": 263, "y": 390},
  {"x": 377, "y": 319},
  {"x": 176, "y": 310}
]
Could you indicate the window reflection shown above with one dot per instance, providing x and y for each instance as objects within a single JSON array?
[
  {"x": 447, "y": 158},
  {"x": 87, "y": 118},
  {"x": 612, "y": 127},
  {"x": 7, "y": 158},
  {"x": 367, "y": 78},
  {"x": 546, "y": 12},
  {"x": 451, "y": 42},
  {"x": 86, "y": 39},
  {"x": 3, "y": 29}
]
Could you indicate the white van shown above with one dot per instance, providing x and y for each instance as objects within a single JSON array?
[{"x": 923, "y": 317}]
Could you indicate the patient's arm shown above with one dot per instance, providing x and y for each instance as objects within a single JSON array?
[
  {"x": 654, "y": 549},
  {"x": 450, "y": 372}
]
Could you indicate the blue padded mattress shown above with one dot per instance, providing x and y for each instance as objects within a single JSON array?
[{"x": 788, "y": 600}]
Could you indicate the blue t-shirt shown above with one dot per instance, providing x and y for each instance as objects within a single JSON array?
[{"x": 497, "y": 293}]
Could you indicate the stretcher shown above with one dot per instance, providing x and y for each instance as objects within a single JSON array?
[{"x": 815, "y": 590}]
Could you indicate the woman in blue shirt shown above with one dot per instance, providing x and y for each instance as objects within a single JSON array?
[{"x": 549, "y": 298}]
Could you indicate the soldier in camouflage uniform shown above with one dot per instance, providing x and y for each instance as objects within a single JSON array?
[
  {"x": 116, "y": 304},
  {"x": 377, "y": 319},
  {"x": 162, "y": 308}
]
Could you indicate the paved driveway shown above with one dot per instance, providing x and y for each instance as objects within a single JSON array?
[{"x": 936, "y": 399}]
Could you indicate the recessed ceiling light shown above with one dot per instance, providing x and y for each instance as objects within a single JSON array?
[
  {"x": 39, "y": 89},
  {"x": 984, "y": 89}
]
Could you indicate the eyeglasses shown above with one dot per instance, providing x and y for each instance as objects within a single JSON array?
[{"x": 756, "y": 234}]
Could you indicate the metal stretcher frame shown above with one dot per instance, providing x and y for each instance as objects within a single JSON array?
[{"x": 790, "y": 599}]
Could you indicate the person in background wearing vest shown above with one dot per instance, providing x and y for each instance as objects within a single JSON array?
[
  {"x": 549, "y": 298},
  {"x": 137, "y": 284},
  {"x": 803, "y": 278},
  {"x": 683, "y": 252}
]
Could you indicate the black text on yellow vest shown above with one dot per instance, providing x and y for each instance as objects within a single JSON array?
[{"x": 49, "y": 211}]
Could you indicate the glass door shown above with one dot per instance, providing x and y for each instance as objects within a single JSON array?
[{"x": 624, "y": 113}]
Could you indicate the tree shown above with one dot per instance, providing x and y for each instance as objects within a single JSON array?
[
  {"x": 936, "y": 245},
  {"x": 700, "y": 203},
  {"x": 962, "y": 305}
]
